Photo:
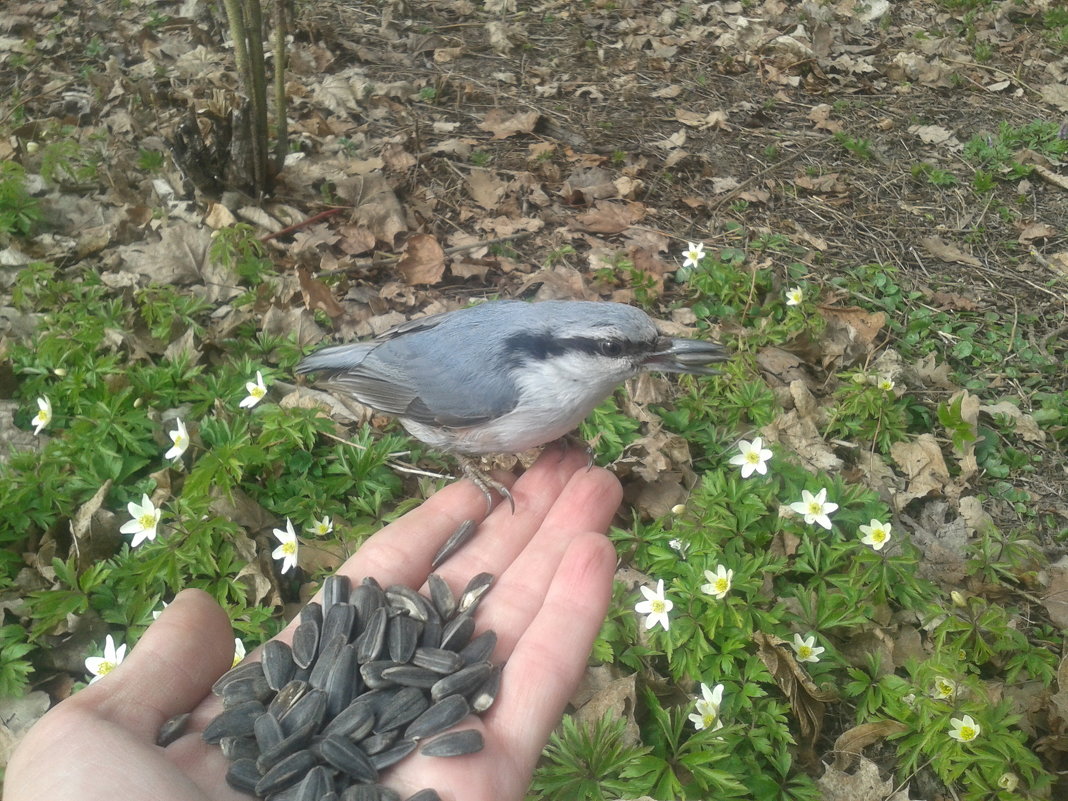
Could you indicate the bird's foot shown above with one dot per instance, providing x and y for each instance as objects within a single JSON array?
[
  {"x": 569, "y": 441},
  {"x": 485, "y": 482}
]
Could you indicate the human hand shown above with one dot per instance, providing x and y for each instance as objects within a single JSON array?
[{"x": 553, "y": 582}]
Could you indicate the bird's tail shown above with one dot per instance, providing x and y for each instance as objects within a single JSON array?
[{"x": 335, "y": 358}]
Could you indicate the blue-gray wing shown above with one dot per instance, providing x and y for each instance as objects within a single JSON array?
[{"x": 443, "y": 381}]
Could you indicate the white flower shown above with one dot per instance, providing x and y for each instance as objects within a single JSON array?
[
  {"x": 794, "y": 296},
  {"x": 886, "y": 384},
  {"x": 320, "y": 528},
  {"x": 239, "y": 651},
  {"x": 101, "y": 666},
  {"x": 256, "y": 390},
  {"x": 1008, "y": 781},
  {"x": 695, "y": 251},
  {"x": 876, "y": 534},
  {"x": 964, "y": 729},
  {"x": 157, "y": 612},
  {"x": 944, "y": 689},
  {"x": 287, "y": 551},
  {"x": 807, "y": 650},
  {"x": 180, "y": 438},
  {"x": 753, "y": 457},
  {"x": 145, "y": 519},
  {"x": 679, "y": 547},
  {"x": 815, "y": 508},
  {"x": 43, "y": 416},
  {"x": 719, "y": 583},
  {"x": 678, "y": 509},
  {"x": 655, "y": 605},
  {"x": 707, "y": 715}
]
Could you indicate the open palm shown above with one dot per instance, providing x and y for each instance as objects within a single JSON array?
[{"x": 554, "y": 573}]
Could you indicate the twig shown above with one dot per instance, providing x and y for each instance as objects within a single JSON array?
[
  {"x": 322, "y": 215},
  {"x": 391, "y": 258}
]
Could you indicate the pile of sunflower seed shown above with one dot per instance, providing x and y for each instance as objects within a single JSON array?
[{"x": 371, "y": 675}]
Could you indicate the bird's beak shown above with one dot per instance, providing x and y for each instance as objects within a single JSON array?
[{"x": 686, "y": 356}]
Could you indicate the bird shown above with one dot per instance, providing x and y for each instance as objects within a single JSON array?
[{"x": 504, "y": 376}]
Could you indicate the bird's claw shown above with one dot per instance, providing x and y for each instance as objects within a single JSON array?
[{"x": 487, "y": 484}]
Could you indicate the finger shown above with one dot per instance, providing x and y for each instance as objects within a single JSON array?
[
  {"x": 549, "y": 659},
  {"x": 172, "y": 668},
  {"x": 587, "y": 503}
]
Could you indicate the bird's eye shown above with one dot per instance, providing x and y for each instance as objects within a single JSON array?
[{"x": 612, "y": 348}]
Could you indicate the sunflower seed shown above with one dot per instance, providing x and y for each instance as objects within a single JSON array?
[
  {"x": 242, "y": 775},
  {"x": 480, "y": 648},
  {"x": 287, "y": 772},
  {"x": 343, "y": 681},
  {"x": 336, "y": 590},
  {"x": 463, "y": 682},
  {"x": 371, "y": 673},
  {"x": 312, "y": 787},
  {"x": 405, "y": 599},
  {"x": 411, "y": 676},
  {"x": 441, "y": 595},
  {"x": 393, "y": 754},
  {"x": 431, "y": 637},
  {"x": 355, "y": 721},
  {"x": 408, "y": 704},
  {"x": 348, "y": 757},
  {"x": 339, "y": 619},
  {"x": 172, "y": 729},
  {"x": 328, "y": 654},
  {"x": 426, "y": 794},
  {"x": 291, "y": 744},
  {"x": 366, "y": 598},
  {"x": 443, "y": 715},
  {"x": 242, "y": 671},
  {"x": 439, "y": 660},
  {"x": 278, "y": 664},
  {"x": 485, "y": 695},
  {"x": 474, "y": 591},
  {"x": 402, "y": 637},
  {"x": 462, "y": 534},
  {"x": 287, "y": 696},
  {"x": 454, "y": 743},
  {"x": 235, "y": 748},
  {"x": 250, "y": 688},
  {"x": 306, "y": 643},
  {"x": 268, "y": 732},
  {"x": 233, "y": 722},
  {"x": 457, "y": 632},
  {"x": 377, "y": 743},
  {"x": 309, "y": 708},
  {"x": 369, "y": 643}
]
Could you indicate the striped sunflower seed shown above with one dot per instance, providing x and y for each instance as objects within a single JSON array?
[
  {"x": 236, "y": 721},
  {"x": 456, "y": 540},
  {"x": 473, "y": 593},
  {"x": 369, "y": 643},
  {"x": 457, "y": 632},
  {"x": 462, "y": 682},
  {"x": 172, "y": 729},
  {"x": 443, "y": 715},
  {"x": 408, "y": 704},
  {"x": 486, "y": 694},
  {"x": 480, "y": 648},
  {"x": 393, "y": 754},
  {"x": 426, "y": 794},
  {"x": 348, "y": 757},
  {"x": 243, "y": 671},
  {"x": 278, "y": 664},
  {"x": 441, "y": 595},
  {"x": 402, "y": 637},
  {"x": 288, "y": 772},
  {"x": 306, "y": 643},
  {"x": 454, "y": 743},
  {"x": 439, "y": 660},
  {"x": 339, "y": 619},
  {"x": 242, "y": 775}
]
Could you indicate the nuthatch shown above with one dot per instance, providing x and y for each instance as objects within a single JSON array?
[{"x": 505, "y": 375}]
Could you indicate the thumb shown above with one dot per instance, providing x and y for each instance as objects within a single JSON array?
[{"x": 172, "y": 668}]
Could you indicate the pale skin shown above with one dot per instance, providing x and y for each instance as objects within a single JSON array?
[{"x": 554, "y": 570}]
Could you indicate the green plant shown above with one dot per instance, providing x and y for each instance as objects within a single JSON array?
[
  {"x": 857, "y": 145},
  {"x": 239, "y": 249},
  {"x": 19, "y": 210}
]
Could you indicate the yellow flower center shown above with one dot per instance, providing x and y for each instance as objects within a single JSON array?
[
  {"x": 147, "y": 520},
  {"x": 721, "y": 584},
  {"x": 804, "y": 652},
  {"x": 878, "y": 534},
  {"x": 289, "y": 548},
  {"x": 657, "y": 606},
  {"x": 179, "y": 440},
  {"x": 945, "y": 690},
  {"x": 815, "y": 508},
  {"x": 105, "y": 668},
  {"x": 708, "y": 719},
  {"x": 753, "y": 457},
  {"x": 42, "y": 417},
  {"x": 967, "y": 733},
  {"x": 257, "y": 391}
]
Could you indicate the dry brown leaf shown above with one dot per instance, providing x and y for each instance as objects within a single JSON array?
[
  {"x": 863, "y": 785},
  {"x": 821, "y": 117},
  {"x": 806, "y": 699},
  {"x": 423, "y": 260},
  {"x": 376, "y": 206},
  {"x": 823, "y": 184},
  {"x": 1024, "y": 424},
  {"x": 485, "y": 188},
  {"x": 502, "y": 125},
  {"x": 603, "y": 693},
  {"x": 1055, "y": 599},
  {"x": 923, "y": 465},
  {"x": 317, "y": 295},
  {"x": 1059, "y": 699},
  {"x": 800, "y": 435},
  {"x": 850, "y": 744},
  {"x": 946, "y": 251},
  {"x": 850, "y": 334},
  {"x": 16, "y": 717},
  {"x": 1036, "y": 231},
  {"x": 609, "y": 218}
]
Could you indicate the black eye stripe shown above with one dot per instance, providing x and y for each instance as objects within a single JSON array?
[{"x": 540, "y": 346}]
